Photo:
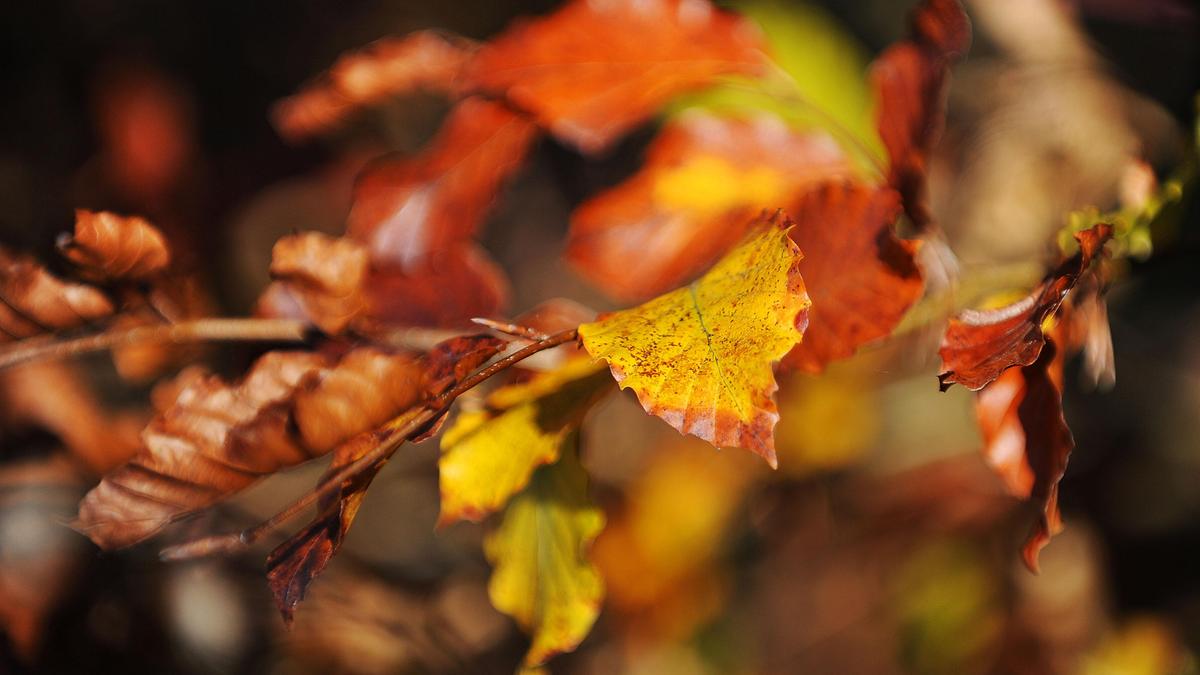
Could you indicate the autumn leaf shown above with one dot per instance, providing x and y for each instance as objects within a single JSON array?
[
  {"x": 325, "y": 276},
  {"x": 424, "y": 60},
  {"x": 542, "y": 576},
  {"x": 704, "y": 180},
  {"x": 446, "y": 290},
  {"x": 1026, "y": 440},
  {"x": 701, "y": 357},
  {"x": 861, "y": 278},
  {"x": 33, "y": 301},
  {"x": 591, "y": 71},
  {"x": 910, "y": 80},
  {"x": 107, "y": 246},
  {"x": 408, "y": 208},
  {"x": 488, "y": 455},
  {"x": 979, "y": 345}
]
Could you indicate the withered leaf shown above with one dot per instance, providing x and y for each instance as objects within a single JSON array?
[
  {"x": 701, "y": 357},
  {"x": 594, "y": 69},
  {"x": 861, "y": 278},
  {"x": 444, "y": 291},
  {"x": 407, "y": 209},
  {"x": 325, "y": 275},
  {"x": 33, "y": 301},
  {"x": 910, "y": 80},
  {"x": 108, "y": 246},
  {"x": 1026, "y": 440},
  {"x": 979, "y": 345},
  {"x": 705, "y": 178},
  {"x": 424, "y": 60}
]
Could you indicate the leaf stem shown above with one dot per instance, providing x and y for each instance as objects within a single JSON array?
[
  {"x": 198, "y": 330},
  {"x": 389, "y": 438}
]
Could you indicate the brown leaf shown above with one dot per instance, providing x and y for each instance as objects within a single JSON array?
[
  {"x": 407, "y": 209},
  {"x": 420, "y": 61},
  {"x": 172, "y": 298},
  {"x": 444, "y": 291},
  {"x": 451, "y": 361},
  {"x": 325, "y": 275},
  {"x": 108, "y": 246},
  {"x": 705, "y": 178},
  {"x": 594, "y": 69},
  {"x": 1026, "y": 440},
  {"x": 910, "y": 80},
  {"x": 861, "y": 278},
  {"x": 33, "y": 301},
  {"x": 979, "y": 345}
]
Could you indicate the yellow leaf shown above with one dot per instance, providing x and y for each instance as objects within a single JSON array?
[
  {"x": 542, "y": 576},
  {"x": 488, "y": 455},
  {"x": 700, "y": 356}
]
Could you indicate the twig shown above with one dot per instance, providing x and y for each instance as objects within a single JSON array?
[
  {"x": 513, "y": 329},
  {"x": 198, "y": 330},
  {"x": 389, "y": 437}
]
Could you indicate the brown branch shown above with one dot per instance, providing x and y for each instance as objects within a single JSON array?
[
  {"x": 198, "y": 330},
  {"x": 389, "y": 438},
  {"x": 512, "y": 329}
]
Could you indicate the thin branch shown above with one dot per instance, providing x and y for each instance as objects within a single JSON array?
[
  {"x": 389, "y": 438},
  {"x": 512, "y": 329},
  {"x": 198, "y": 330}
]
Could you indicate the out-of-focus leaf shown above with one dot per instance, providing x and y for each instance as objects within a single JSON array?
[
  {"x": 1026, "y": 440},
  {"x": 424, "y": 60},
  {"x": 542, "y": 575},
  {"x": 862, "y": 279},
  {"x": 826, "y": 423},
  {"x": 446, "y": 290},
  {"x": 325, "y": 275},
  {"x": 407, "y": 209},
  {"x": 489, "y": 455},
  {"x": 592, "y": 70},
  {"x": 701, "y": 357},
  {"x": 33, "y": 301},
  {"x": 980, "y": 345},
  {"x": 108, "y": 246},
  {"x": 910, "y": 80},
  {"x": 703, "y": 181}
]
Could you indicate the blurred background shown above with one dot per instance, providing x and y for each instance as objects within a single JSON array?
[{"x": 883, "y": 545}]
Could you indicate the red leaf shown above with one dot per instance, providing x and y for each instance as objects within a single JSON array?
[
  {"x": 1026, "y": 440},
  {"x": 861, "y": 278},
  {"x": 406, "y": 209},
  {"x": 980, "y": 345},
  {"x": 596, "y": 68},
  {"x": 446, "y": 290},
  {"x": 910, "y": 81}
]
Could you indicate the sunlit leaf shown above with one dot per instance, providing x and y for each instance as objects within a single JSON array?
[{"x": 108, "y": 246}]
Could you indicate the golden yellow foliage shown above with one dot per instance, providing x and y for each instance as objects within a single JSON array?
[{"x": 700, "y": 356}]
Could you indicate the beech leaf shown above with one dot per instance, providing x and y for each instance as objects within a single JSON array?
[
  {"x": 34, "y": 301},
  {"x": 542, "y": 574},
  {"x": 108, "y": 246},
  {"x": 700, "y": 357},
  {"x": 325, "y": 275},
  {"x": 593, "y": 69}
]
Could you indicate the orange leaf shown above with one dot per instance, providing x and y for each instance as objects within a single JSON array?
[
  {"x": 445, "y": 291},
  {"x": 325, "y": 275},
  {"x": 425, "y": 60},
  {"x": 407, "y": 209},
  {"x": 1026, "y": 440},
  {"x": 594, "y": 69},
  {"x": 861, "y": 278},
  {"x": 704, "y": 180},
  {"x": 910, "y": 81},
  {"x": 33, "y": 301},
  {"x": 980, "y": 345},
  {"x": 108, "y": 246}
]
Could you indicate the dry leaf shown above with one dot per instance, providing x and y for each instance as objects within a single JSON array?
[
  {"x": 107, "y": 246},
  {"x": 33, "y": 301},
  {"x": 594, "y": 69},
  {"x": 445, "y": 291},
  {"x": 701, "y": 357},
  {"x": 325, "y": 275}
]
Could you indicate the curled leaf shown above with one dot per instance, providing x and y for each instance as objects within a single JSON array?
[
  {"x": 1026, "y": 440},
  {"x": 701, "y": 357},
  {"x": 424, "y": 60},
  {"x": 704, "y": 180},
  {"x": 542, "y": 575},
  {"x": 592, "y": 70},
  {"x": 325, "y": 275},
  {"x": 406, "y": 209},
  {"x": 980, "y": 345},
  {"x": 108, "y": 246},
  {"x": 488, "y": 455},
  {"x": 861, "y": 277},
  {"x": 33, "y": 301}
]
